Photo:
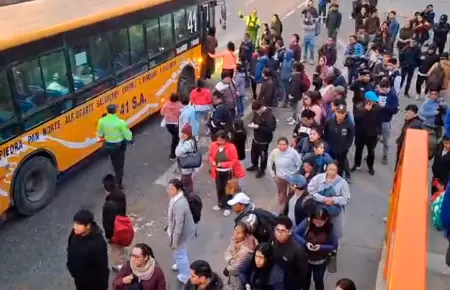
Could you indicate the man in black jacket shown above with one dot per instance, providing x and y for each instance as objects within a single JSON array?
[
  {"x": 329, "y": 51},
  {"x": 412, "y": 121},
  {"x": 339, "y": 133},
  {"x": 441, "y": 30},
  {"x": 360, "y": 86},
  {"x": 297, "y": 87},
  {"x": 263, "y": 125},
  {"x": 367, "y": 129},
  {"x": 87, "y": 255},
  {"x": 289, "y": 255},
  {"x": 427, "y": 60},
  {"x": 409, "y": 61},
  {"x": 115, "y": 205},
  {"x": 220, "y": 118}
]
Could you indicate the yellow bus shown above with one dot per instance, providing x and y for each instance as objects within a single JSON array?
[{"x": 63, "y": 61}]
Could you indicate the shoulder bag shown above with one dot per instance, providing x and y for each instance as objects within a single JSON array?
[{"x": 192, "y": 159}]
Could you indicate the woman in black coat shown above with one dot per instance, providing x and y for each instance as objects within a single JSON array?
[{"x": 263, "y": 273}]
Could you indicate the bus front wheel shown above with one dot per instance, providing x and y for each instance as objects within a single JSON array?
[
  {"x": 34, "y": 185},
  {"x": 186, "y": 83}
]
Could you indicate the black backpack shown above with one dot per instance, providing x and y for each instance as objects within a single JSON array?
[
  {"x": 265, "y": 225},
  {"x": 195, "y": 205}
]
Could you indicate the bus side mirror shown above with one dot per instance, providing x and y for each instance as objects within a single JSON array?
[{"x": 223, "y": 16}]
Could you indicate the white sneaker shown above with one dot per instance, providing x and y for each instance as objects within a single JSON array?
[
  {"x": 289, "y": 119},
  {"x": 181, "y": 279},
  {"x": 226, "y": 212},
  {"x": 216, "y": 208},
  {"x": 292, "y": 123},
  {"x": 385, "y": 219},
  {"x": 174, "y": 267},
  {"x": 418, "y": 98}
]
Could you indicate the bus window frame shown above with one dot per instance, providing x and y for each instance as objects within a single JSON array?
[{"x": 15, "y": 123}]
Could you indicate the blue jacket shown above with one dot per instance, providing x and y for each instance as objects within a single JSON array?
[
  {"x": 287, "y": 65},
  {"x": 341, "y": 81},
  {"x": 321, "y": 161},
  {"x": 300, "y": 232},
  {"x": 447, "y": 123},
  {"x": 445, "y": 213},
  {"x": 427, "y": 112},
  {"x": 388, "y": 105},
  {"x": 240, "y": 82},
  {"x": 188, "y": 116},
  {"x": 261, "y": 64},
  {"x": 393, "y": 28},
  {"x": 349, "y": 116},
  {"x": 359, "y": 50},
  {"x": 304, "y": 146}
]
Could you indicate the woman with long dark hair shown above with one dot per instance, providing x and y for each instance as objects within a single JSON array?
[
  {"x": 316, "y": 235},
  {"x": 264, "y": 274}
]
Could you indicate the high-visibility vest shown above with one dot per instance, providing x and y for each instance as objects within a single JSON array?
[{"x": 252, "y": 21}]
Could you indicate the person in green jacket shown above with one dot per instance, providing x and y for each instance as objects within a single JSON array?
[
  {"x": 115, "y": 135},
  {"x": 253, "y": 23}
]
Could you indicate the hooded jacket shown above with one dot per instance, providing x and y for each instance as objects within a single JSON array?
[
  {"x": 389, "y": 105},
  {"x": 200, "y": 97},
  {"x": 246, "y": 50},
  {"x": 215, "y": 283},
  {"x": 427, "y": 61},
  {"x": 115, "y": 205},
  {"x": 267, "y": 125},
  {"x": 441, "y": 30},
  {"x": 287, "y": 65},
  {"x": 297, "y": 86},
  {"x": 334, "y": 20},
  {"x": 427, "y": 112},
  {"x": 87, "y": 260},
  {"x": 410, "y": 57},
  {"x": 261, "y": 64},
  {"x": 339, "y": 136}
]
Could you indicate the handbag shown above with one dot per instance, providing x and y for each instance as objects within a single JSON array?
[
  {"x": 335, "y": 209},
  {"x": 232, "y": 186},
  {"x": 192, "y": 159}
]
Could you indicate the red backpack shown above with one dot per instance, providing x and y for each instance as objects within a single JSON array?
[
  {"x": 123, "y": 231},
  {"x": 306, "y": 83}
]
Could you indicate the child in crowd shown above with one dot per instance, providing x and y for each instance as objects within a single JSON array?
[{"x": 319, "y": 157}]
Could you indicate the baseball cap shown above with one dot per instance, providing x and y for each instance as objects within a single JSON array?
[
  {"x": 297, "y": 180},
  {"x": 241, "y": 198},
  {"x": 341, "y": 108},
  {"x": 371, "y": 96}
]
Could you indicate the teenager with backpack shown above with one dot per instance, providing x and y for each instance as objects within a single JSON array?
[{"x": 115, "y": 210}]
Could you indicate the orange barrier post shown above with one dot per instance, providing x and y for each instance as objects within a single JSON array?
[{"x": 407, "y": 226}]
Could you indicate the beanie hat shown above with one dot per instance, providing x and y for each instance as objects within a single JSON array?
[
  {"x": 371, "y": 96},
  {"x": 187, "y": 129},
  {"x": 84, "y": 217}
]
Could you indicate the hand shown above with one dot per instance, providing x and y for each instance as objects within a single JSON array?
[
  {"x": 255, "y": 126},
  {"x": 329, "y": 201},
  {"x": 310, "y": 246},
  {"x": 251, "y": 125},
  {"x": 127, "y": 279},
  {"x": 368, "y": 106},
  {"x": 219, "y": 164},
  {"x": 381, "y": 73},
  {"x": 214, "y": 164}
]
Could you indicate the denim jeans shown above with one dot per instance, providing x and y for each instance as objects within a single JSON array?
[
  {"x": 240, "y": 105},
  {"x": 309, "y": 43},
  {"x": 386, "y": 129},
  {"x": 180, "y": 258}
]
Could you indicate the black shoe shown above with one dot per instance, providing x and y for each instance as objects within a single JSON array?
[
  {"x": 348, "y": 178},
  {"x": 372, "y": 172},
  {"x": 260, "y": 174},
  {"x": 355, "y": 168},
  {"x": 252, "y": 168}
]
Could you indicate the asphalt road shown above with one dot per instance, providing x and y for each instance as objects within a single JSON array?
[{"x": 33, "y": 249}]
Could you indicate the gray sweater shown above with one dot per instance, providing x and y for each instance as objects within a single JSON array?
[
  {"x": 287, "y": 163},
  {"x": 180, "y": 227}
]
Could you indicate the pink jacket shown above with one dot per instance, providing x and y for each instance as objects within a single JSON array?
[
  {"x": 228, "y": 57},
  {"x": 171, "y": 112},
  {"x": 319, "y": 113}
]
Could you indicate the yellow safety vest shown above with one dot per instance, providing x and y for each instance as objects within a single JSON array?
[{"x": 252, "y": 21}]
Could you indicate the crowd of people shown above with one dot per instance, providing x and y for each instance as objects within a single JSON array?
[{"x": 296, "y": 245}]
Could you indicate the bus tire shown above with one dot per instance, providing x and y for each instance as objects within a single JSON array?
[
  {"x": 186, "y": 82},
  {"x": 34, "y": 185}
]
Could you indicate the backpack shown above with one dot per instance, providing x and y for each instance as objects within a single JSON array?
[
  {"x": 436, "y": 209},
  {"x": 306, "y": 82},
  {"x": 265, "y": 225},
  {"x": 436, "y": 78},
  {"x": 195, "y": 205},
  {"x": 123, "y": 231}
]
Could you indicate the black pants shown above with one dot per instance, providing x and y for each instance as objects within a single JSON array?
[
  {"x": 253, "y": 85},
  {"x": 260, "y": 153},
  {"x": 407, "y": 73},
  {"x": 343, "y": 166},
  {"x": 323, "y": 10},
  {"x": 420, "y": 81},
  {"x": 117, "y": 156},
  {"x": 231, "y": 115},
  {"x": 365, "y": 141},
  {"x": 221, "y": 186},
  {"x": 174, "y": 131},
  {"x": 440, "y": 46},
  {"x": 317, "y": 272}
]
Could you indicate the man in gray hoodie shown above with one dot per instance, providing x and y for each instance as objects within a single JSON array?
[{"x": 333, "y": 22}]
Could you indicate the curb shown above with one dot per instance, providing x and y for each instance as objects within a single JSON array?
[{"x": 380, "y": 283}]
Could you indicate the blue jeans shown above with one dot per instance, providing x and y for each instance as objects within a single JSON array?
[
  {"x": 309, "y": 43},
  {"x": 181, "y": 259},
  {"x": 240, "y": 105}
]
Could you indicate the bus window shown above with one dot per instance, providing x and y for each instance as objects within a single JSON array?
[
  {"x": 55, "y": 73},
  {"x": 100, "y": 54},
  {"x": 29, "y": 85},
  {"x": 81, "y": 69},
  {"x": 179, "y": 19},
  {"x": 192, "y": 19},
  {"x": 166, "y": 29},
  {"x": 120, "y": 48},
  {"x": 153, "y": 37},
  {"x": 137, "y": 43},
  {"x": 6, "y": 106}
]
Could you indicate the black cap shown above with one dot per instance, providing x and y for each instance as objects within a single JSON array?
[
  {"x": 412, "y": 107},
  {"x": 341, "y": 108},
  {"x": 364, "y": 72}
]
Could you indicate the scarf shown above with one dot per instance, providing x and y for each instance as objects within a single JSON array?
[{"x": 145, "y": 272}]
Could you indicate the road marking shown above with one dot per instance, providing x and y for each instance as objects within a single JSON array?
[
  {"x": 249, "y": 2},
  {"x": 288, "y": 14}
]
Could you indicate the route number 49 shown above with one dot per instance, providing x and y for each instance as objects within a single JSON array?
[{"x": 192, "y": 24}]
